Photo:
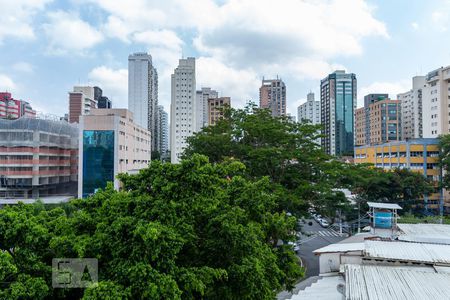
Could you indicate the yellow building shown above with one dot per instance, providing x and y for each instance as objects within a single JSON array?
[{"x": 421, "y": 155}]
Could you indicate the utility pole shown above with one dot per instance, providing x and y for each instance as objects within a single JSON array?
[{"x": 359, "y": 217}]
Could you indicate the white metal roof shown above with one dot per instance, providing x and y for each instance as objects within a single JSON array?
[
  {"x": 384, "y": 205},
  {"x": 425, "y": 233},
  {"x": 346, "y": 247},
  {"x": 45, "y": 200},
  {"x": 371, "y": 282},
  {"x": 325, "y": 288},
  {"x": 416, "y": 252}
]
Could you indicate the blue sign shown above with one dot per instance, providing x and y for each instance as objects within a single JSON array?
[{"x": 383, "y": 220}]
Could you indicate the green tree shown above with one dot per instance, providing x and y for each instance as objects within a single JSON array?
[
  {"x": 285, "y": 151},
  {"x": 187, "y": 231},
  {"x": 444, "y": 159},
  {"x": 401, "y": 186}
]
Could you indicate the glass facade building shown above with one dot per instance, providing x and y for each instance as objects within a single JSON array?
[
  {"x": 98, "y": 160},
  {"x": 338, "y": 102}
]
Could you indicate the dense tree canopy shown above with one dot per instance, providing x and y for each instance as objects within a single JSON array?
[
  {"x": 193, "y": 230},
  {"x": 444, "y": 158},
  {"x": 287, "y": 152}
]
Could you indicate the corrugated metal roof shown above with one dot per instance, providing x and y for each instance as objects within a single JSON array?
[
  {"x": 368, "y": 282},
  {"x": 417, "y": 252},
  {"x": 425, "y": 233},
  {"x": 384, "y": 205},
  {"x": 340, "y": 248}
]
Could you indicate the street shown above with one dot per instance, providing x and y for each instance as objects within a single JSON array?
[{"x": 316, "y": 237}]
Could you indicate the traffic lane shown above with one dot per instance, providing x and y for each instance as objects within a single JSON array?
[
  {"x": 314, "y": 227},
  {"x": 310, "y": 260}
]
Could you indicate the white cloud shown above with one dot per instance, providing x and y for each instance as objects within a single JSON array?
[
  {"x": 6, "y": 83},
  {"x": 114, "y": 84},
  {"x": 257, "y": 32},
  {"x": 23, "y": 67},
  {"x": 391, "y": 88},
  {"x": 245, "y": 39},
  {"x": 17, "y": 17},
  {"x": 240, "y": 85},
  {"x": 441, "y": 18},
  {"x": 68, "y": 33},
  {"x": 415, "y": 25},
  {"x": 164, "y": 45}
]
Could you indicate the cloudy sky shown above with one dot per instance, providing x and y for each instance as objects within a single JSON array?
[{"x": 48, "y": 46}]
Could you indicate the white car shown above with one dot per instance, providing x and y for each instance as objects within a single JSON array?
[
  {"x": 324, "y": 223},
  {"x": 295, "y": 246}
]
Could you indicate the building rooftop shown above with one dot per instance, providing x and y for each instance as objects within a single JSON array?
[
  {"x": 346, "y": 247},
  {"x": 411, "y": 252},
  {"x": 396, "y": 283},
  {"x": 425, "y": 233},
  {"x": 45, "y": 200},
  {"x": 324, "y": 288},
  {"x": 383, "y": 205}
]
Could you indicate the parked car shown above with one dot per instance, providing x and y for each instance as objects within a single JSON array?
[
  {"x": 324, "y": 223},
  {"x": 295, "y": 246}
]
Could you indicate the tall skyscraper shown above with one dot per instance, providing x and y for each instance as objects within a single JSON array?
[
  {"x": 163, "y": 131},
  {"x": 338, "y": 102},
  {"x": 310, "y": 110},
  {"x": 412, "y": 125},
  {"x": 379, "y": 121},
  {"x": 435, "y": 103},
  {"x": 272, "y": 95},
  {"x": 143, "y": 92},
  {"x": 183, "y": 107},
  {"x": 202, "y": 98}
]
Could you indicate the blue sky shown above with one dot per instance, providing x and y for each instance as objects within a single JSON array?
[{"x": 47, "y": 46}]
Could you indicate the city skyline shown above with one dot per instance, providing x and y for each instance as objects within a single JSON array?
[{"x": 41, "y": 39}]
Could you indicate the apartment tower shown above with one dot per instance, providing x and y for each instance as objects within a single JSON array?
[
  {"x": 183, "y": 107},
  {"x": 309, "y": 111},
  {"x": 143, "y": 92},
  {"x": 272, "y": 95},
  {"x": 216, "y": 107},
  {"x": 411, "y": 102},
  {"x": 436, "y": 102},
  {"x": 379, "y": 121},
  {"x": 202, "y": 98}
]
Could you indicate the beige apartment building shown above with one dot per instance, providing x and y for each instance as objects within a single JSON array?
[
  {"x": 272, "y": 95},
  {"x": 110, "y": 144},
  {"x": 360, "y": 126},
  {"x": 379, "y": 121},
  {"x": 215, "y": 108}
]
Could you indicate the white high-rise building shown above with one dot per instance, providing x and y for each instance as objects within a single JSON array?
[
  {"x": 411, "y": 109},
  {"x": 310, "y": 110},
  {"x": 183, "y": 107},
  {"x": 435, "y": 103},
  {"x": 202, "y": 106},
  {"x": 143, "y": 92},
  {"x": 163, "y": 131}
]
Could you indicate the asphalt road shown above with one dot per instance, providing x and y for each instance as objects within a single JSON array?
[{"x": 319, "y": 237}]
